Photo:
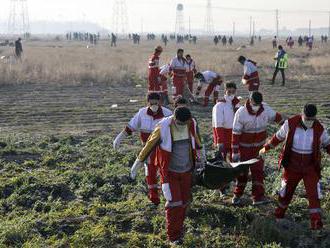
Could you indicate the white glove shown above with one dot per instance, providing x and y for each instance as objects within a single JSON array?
[
  {"x": 201, "y": 154},
  {"x": 136, "y": 166},
  {"x": 236, "y": 157},
  {"x": 166, "y": 191},
  {"x": 118, "y": 139}
]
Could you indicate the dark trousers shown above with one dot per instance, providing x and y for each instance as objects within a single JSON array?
[{"x": 282, "y": 73}]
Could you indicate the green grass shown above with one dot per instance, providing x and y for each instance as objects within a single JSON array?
[{"x": 76, "y": 192}]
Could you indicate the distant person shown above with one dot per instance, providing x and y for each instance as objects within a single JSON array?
[
  {"x": 274, "y": 42},
  {"x": 224, "y": 40},
  {"x": 290, "y": 42},
  {"x": 165, "y": 40},
  {"x": 309, "y": 43},
  {"x": 231, "y": 40},
  {"x": 113, "y": 40},
  {"x": 281, "y": 64},
  {"x": 216, "y": 40},
  {"x": 300, "y": 41},
  {"x": 18, "y": 49}
]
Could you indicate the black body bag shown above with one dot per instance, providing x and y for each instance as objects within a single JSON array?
[{"x": 216, "y": 173}]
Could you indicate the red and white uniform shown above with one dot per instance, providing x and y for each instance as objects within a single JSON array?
[
  {"x": 191, "y": 70},
  {"x": 153, "y": 77},
  {"x": 145, "y": 122},
  {"x": 213, "y": 80},
  {"x": 222, "y": 122},
  {"x": 249, "y": 136},
  {"x": 164, "y": 73},
  {"x": 178, "y": 68},
  {"x": 251, "y": 76},
  {"x": 164, "y": 138},
  {"x": 301, "y": 159}
]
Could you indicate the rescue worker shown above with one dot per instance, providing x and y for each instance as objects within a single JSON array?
[
  {"x": 178, "y": 68},
  {"x": 177, "y": 142},
  {"x": 251, "y": 75},
  {"x": 222, "y": 120},
  {"x": 191, "y": 71},
  {"x": 153, "y": 75},
  {"x": 145, "y": 122},
  {"x": 249, "y": 136},
  {"x": 213, "y": 80},
  {"x": 304, "y": 137},
  {"x": 281, "y": 64}
]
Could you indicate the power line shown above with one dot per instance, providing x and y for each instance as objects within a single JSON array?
[
  {"x": 18, "y": 22},
  {"x": 209, "y": 28},
  {"x": 120, "y": 17}
]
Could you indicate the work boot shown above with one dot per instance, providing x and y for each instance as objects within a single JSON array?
[
  {"x": 261, "y": 201},
  {"x": 176, "y": 242},
  {"x": 236, "y": 200}
]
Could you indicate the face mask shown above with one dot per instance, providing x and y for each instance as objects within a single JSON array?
[
  {"x": 154, "y": 108},
  {"x": 255, "y": 108},
  {"x": 229, "y": 98},
  {"x": 308, "y": 123},
  {"x": 180, "y": 124}
]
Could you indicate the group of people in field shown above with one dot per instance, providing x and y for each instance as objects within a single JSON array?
[{"x": 172, "y": 144}]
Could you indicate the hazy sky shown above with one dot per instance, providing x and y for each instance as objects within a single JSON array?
[{"x": 159, "y": 15}]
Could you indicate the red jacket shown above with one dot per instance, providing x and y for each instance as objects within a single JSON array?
[
  {"x": 161, "y": 139},
  {"x": 294, "y": 122},
  {"x": 153, "y": 68}
]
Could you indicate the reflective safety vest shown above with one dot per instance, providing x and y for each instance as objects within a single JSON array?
[{"x": 283, "y": 62}]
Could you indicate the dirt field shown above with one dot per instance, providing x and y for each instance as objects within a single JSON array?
[
  {"x": 59, "y": 87},
  {"x": 62, "y": 184}
]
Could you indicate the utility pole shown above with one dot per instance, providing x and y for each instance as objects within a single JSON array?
[
  {"x": 254, "y": 28},
  {"x": 141, "y": 25},
  {"x": 189, "y": 27},
  {"x": 250, "y": 26},
  {"x": 276, "y": 22},
  {"x": 310, "y": 28},
  {"x": 329, "y": 26},
  {"x": 233, "y": 29}
]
